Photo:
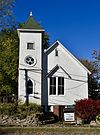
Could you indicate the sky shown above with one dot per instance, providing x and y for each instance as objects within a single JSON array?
[{"x": 75, "y": 23}]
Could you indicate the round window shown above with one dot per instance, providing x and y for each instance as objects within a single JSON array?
[{"x": 30, "y": 60}]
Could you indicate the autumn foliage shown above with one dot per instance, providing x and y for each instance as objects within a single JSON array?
[{"x": 87, "y": 109}]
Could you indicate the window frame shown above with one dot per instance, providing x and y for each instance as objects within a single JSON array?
[
  {"x": 61, "y": 86},
  {"x": 53, "y": 86},
  {"x": 30, "y": 46},
  {"x": 57, "y": 86},
  {"x": 33, "y": 87},
  {"x": 30, "y": 87}
]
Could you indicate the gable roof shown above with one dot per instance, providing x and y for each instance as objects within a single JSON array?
[
  {"x": 31, "y": 23},
  {"x": 53, "y": 46},
  {"x": 55, "y": 69}
]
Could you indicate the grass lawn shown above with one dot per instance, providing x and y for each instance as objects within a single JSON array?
[{"x": 55, "y": 130}]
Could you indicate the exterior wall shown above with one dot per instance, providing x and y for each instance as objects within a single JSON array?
[
  {"x": 75, "y": 88},
  {"x": 33, "y": 72},
  {"x": 26, "y": 37}
]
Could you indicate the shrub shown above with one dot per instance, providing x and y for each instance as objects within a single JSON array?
[
  {"x": 23, "y": 110},
  {"x": 98, "y": 117},
  {"x": 8, "y": 108},
  {"x": 87, "y": 109},
  {"x": 34, "y": 108},
  {"x": 20, "y": 111}
]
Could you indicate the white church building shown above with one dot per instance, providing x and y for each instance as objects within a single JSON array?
[{"x": 49, "y": 77}]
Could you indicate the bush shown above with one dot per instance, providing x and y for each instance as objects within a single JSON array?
[
  {"x": 87, "y": 109},
  {"x": 98, "y": 118},
  {"x": 23, "y": 110},
  {"x": 20, "y": 111},
  {"x": 34, "y": 108},
  {"x": 8, "y": 109}
]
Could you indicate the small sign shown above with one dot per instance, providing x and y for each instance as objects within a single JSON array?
[{"x": 69, "y": 117}]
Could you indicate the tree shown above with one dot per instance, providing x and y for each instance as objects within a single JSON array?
[
  {"x": 96, "y": 62},
  {"x": 94, "y": 79},
  {"x": 8, "y": 61},
  {"x": 6, "y": 13},
  {"x": 88, "y": 64}
]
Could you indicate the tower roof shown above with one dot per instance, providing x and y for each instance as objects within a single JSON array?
[{"x": 31, "y": 23}]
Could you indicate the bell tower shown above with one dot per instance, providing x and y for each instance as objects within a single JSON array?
[{"x": 30, "y": 61}]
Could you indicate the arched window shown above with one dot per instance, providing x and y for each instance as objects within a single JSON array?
[{"x": 29, "y": 87}]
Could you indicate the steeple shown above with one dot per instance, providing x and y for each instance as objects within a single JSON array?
[{"x": 31, "y": 23}]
